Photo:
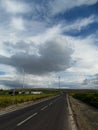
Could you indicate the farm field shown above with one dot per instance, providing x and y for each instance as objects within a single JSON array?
[
  {"x": 90, "y": 98},
  {"x": 8, "y": 99}
]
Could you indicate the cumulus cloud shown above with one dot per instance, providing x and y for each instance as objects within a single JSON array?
[
  {"x": 31, "y": 38},
  {"x": 51, "y": 57},
  {"x": 85, "y": 54}
]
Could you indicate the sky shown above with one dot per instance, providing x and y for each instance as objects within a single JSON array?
[{"x": 41, "y": 40}]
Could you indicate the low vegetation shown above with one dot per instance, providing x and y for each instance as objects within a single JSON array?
[
  {"x": 7, "y": 99},
  {"x": 90, "y": 98}
]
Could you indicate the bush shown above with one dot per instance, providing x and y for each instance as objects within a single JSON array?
[{"x": 89, "y": 98}]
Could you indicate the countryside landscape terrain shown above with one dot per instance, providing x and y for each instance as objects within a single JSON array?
[{"x": 48, "y": 64}]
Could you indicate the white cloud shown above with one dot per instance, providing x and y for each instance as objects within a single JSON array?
[
  {"x": 35, "y": 27},
  {"x": 85, "y": 52},
  {"x": 48, "y": 34},
  {"x": 86, "y": 56},
  {"x": 10, "y": 72},
  {"x": 59, "y": 6},
  {"x": 80, "y": 23},
  {"x": 31, "y": 37},
  {"x": 18, "y": 23},
  {"x": 14, "y": 6}
]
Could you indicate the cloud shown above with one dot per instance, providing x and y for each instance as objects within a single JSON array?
[
  {"x": 36, "y": 36},
  {"x": 30, "y": 81},
  {"x": 36, "y": 27},
  {"x": 12, "y": 84},
  {"x": 85, "y": 82},
  {"x": 18, "y": 23},
  {"x": 53, "y": 57},
  {"x": 91, "y": 82},
  {"x": 65, "y": 5},
  {"x": 85, "y": 54},
  {"x": 14, "y": 6},
  {"x": 38, "y": 52},
  {"x": 80, "y": 24}
]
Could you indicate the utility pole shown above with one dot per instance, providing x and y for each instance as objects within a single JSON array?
[
  {"x": 59, "y": 82},
  {"x": 13, "y": 95},
  {"x": 23, "y": 76}
]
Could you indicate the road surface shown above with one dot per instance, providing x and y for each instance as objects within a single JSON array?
[{"x": 47, "y": 115}]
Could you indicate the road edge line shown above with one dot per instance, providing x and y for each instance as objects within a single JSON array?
[{"x": 71, "y": 115}]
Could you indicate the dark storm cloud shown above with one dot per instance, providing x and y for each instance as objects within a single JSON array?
[{"x": 52, "y": 57}]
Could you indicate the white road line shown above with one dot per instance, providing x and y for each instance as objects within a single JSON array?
[
  {"x": 44, "y": 108},
  {"x": 56, "y": 99},
  {"x": 22, "y": 122},
  {"x": 50, "y": 104}
]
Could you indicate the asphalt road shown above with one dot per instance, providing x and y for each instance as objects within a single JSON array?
[{"x": 47, "y": 115}]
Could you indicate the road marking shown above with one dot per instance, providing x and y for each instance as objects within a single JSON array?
[
  {"x": 50, "y": 104},
  {"x": 44, "y": 108},
  {"x": 22, "y": 122},
  {"x": 56, "y": 99}
]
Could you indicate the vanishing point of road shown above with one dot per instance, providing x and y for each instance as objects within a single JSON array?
[{"x": 51, "y": 114}]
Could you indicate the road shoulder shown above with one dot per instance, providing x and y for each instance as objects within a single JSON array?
[
  {"x": 85, "y": 115},
  {"x": 72, "y": 121}
]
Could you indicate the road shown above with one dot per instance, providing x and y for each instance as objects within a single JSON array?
[{"x": 51, "y": 114}]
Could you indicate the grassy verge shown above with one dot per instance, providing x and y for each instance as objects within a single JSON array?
[
  {"x": 7, "y": 100},
  {"x": 90, "y": 98}
]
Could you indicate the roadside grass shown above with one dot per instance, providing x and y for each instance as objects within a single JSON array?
[
  {"x": 7, "y": 100},
  {"x": 90, "y": 98}
]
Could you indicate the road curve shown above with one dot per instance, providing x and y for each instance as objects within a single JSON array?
[{"x": 47, "y": 115}]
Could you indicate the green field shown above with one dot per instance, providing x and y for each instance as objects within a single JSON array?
[{"x": 90, "y": 98}]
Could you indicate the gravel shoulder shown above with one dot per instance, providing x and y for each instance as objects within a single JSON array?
[{"x": 86, "y": 117}]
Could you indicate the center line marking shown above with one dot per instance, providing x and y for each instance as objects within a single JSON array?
[
  {"x": 50, "y": 104},
  {"x": 44, "y": 107},
  {"x": 22, "y": 122}
]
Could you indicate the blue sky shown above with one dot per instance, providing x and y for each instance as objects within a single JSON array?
[
  {"x": 44, "y": 39},
  {"x": 2, "y": 73}
]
